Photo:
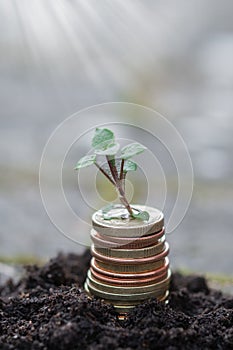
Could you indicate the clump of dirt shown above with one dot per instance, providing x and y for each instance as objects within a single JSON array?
[{"x": 48, "y": 309}]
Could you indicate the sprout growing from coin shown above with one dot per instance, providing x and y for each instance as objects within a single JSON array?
[
  {"x": 129, "y": 252},
  {"x": 115, "y": 169}
]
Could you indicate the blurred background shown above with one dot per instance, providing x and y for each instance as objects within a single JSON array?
[{"x": 57, "y": 57}]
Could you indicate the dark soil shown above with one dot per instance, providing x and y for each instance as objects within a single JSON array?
[{"x": 48, "y": 309}]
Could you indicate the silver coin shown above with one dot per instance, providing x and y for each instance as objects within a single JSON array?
[{"x": 129, "y": 227}]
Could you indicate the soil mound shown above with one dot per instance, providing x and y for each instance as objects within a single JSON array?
[{"x": 48, "y": 309}]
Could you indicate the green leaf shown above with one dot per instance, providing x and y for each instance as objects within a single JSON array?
[
  {"x": 131, "y": 150},
  {"x": 102, "y": 139},
  {"x": 129, "y": 166},
  {"x": 142, "y": 215},
  {"x": 106, "y": 217},
  {"x": 85, "y": 161},
  {"x": 111, "y": 150}
]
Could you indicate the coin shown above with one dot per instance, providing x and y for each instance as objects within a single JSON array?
[
  {"x": 127, "y": 302},
  {"x": 151, "y": 266},
  {"x": 127, "y": 282},
  {"x": 159, "y": 286},
  {"x": 130, "y": 261},
  {"x": 127, "y": 243},
  {"x": 122, "y": 276},
  {"x": 121, "y": 297},
  {"x": 123, "y": 310},
  {"x": 129, "y": 227},
  {"x": 164, "y": 297},
  {"x": 133, "y": 253},
  {"x": 119, "y": 303}
]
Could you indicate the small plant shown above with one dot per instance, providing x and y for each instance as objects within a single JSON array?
[{"x": 115, "y": 168}]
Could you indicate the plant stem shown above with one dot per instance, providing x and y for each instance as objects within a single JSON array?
[
  {"x": 112, "y": 167},
  {"x": 105, "y": 174},
  {"x": 123, "y": 181},
  {"x": 118, "y": 184},
  {"x": 122, "y": 169},
  {"x": 122, "y": 175}
]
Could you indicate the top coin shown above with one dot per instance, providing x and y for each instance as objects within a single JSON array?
[{"x": 120, "y": 227}]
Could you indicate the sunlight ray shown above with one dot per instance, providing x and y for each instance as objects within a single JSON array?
[
  {"x": 109, "y": 42},
  {"x": 66, "y": 19},
  {"x": 101, "y": 47}
]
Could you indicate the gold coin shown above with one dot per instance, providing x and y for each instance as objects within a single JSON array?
[
  {"x": 119, "y": 303},
  {"x": 133, "y": 253},
  {"x": 159, "y": 286},
  {"x": 129, "y": 227},
  {"x": 120, "y": 297},
  {"x": 164, "y": 297},
  {"x": 126, "y": 303},
  {"x": 129, "y": 268},
  {"x": 124, "y": 307},
  {"x": 130, "y": 303},
  {"x": 123, "y": 310}
]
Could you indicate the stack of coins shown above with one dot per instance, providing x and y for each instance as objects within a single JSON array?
[{"x": 130, "y": 262}]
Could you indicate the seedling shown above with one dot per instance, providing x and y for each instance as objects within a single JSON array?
[{"x": 115, "y": 168}]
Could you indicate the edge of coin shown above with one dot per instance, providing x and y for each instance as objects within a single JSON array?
[
  {"x": 131, "y": 275},
  {"x": 131, "y": 243},
  {"x": 127, "y": 261},
  {"x": 161, "y": 285},
  {"x": 121, "y": 229},
  {"x": 126, "y": 268},
  {"x": 127, "y": 282},
  {"x": 133, "y": 253},
  {"x": 121, "y": 297}
]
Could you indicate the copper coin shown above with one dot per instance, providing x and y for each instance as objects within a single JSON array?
[
  {"x": 122, "y": 276},
  {"x": 130, "y": 268},
  {"x": 129, "y": 227},
  {"x": 159, "y": 286},
  {"x": 127, "y": 282},
  {"x": 135, "y": 261},
  {"x": 133, "y": 243}
]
